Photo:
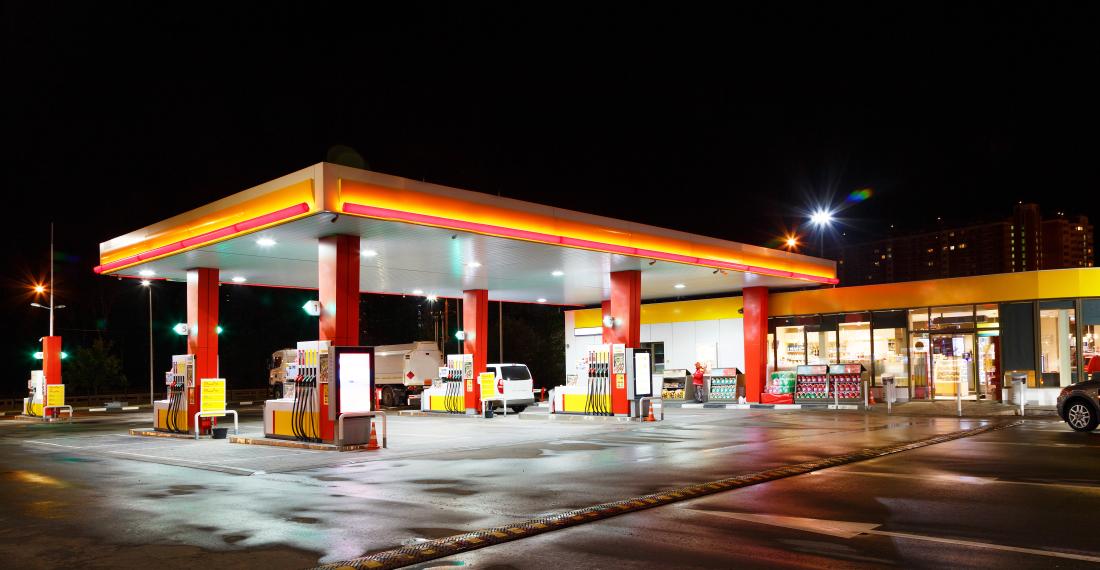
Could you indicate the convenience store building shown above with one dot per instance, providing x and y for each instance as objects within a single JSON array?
[{"x": 934, "y": 337}]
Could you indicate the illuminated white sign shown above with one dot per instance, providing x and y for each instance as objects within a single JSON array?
[{"x": 355, "y": 393}]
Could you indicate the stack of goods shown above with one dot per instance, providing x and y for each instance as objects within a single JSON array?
[{"x": 780, "y": 389}]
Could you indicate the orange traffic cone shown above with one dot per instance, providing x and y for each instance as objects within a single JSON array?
[
  {"x": 870, "y": 397},
  {"x": 372, "y": 443},
  {"x": 650, "y": 417}
]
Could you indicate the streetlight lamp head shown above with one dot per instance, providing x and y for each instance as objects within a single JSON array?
[{"x": 821, "y": 217}]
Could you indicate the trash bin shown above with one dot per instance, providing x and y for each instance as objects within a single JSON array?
[
  {"x": 220, "y": 433},
  {"x": 488, "y": 411},
  {"x": 890, "y": 385}
]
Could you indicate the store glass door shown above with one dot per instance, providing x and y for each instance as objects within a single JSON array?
[{"x": 953, "y": 365}]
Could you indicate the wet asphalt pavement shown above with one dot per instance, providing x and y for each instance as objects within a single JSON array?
[{"x": 88, "y": 493}]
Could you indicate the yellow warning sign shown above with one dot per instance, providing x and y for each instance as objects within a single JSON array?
[
  {"x": 213, "y": 394},
  {"x": 55, "y": 394}
]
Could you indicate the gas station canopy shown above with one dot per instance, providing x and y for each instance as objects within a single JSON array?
[{"x": 418, "y": 238}]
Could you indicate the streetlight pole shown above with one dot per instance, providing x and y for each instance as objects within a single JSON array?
[
  {"x": 51, "y": 278},
  {"x": 149, "y": 286}
]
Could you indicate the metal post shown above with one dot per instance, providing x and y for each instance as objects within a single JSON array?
[
  {"x": 836, "y": 395},
  {"x": 150, "y": 287},
  {"x": 51, "y": 278},
  {"x": 959, "y": 396},
  {"x": 866, "y": 386},
  {"x": 500, "y": 335}
]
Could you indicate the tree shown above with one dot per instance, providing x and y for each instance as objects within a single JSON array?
[{"x": 95, "y": 368}]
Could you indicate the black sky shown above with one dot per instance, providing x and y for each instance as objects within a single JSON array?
[{"x": 728, "y": 122}]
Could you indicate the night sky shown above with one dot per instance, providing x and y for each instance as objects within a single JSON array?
[{"x": 728, "y": 123}]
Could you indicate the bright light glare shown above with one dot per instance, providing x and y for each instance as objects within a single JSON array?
[
  {"x": 265, "y": 242},
  {"x": 792, "y": 241},
  {"x": 239, "y": 279},
  {"x": 145, "y": 282},
  {"x": 39, "y": 289},
  {"x": 147, "y": 273},
  {"x": 822, "y": 218},
  {"x": 679, "y": 285},
  {"x": 369, "y": 253},
  {"x": 542, "y": 300},
  {"x": 557, "y": 273}
]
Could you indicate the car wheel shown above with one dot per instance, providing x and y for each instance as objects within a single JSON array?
[
  {"x": 518, "y": 409},
  {"x": 1080, "y": 416}
]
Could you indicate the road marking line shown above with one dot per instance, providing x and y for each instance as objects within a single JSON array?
[
  {"x": 404, "y": 556},
  {"x": 1035, "y": 551}
]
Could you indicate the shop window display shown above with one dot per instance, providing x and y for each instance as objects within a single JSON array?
[
  {"x": 855, "y": 343},
  {"x": 820, "y": 345},
  {"x": 891, "y": 357},
  {"x": 1057, "y": 346},
  {"x": 790, "y": 350},
  {"x": 920, "y": 360}
]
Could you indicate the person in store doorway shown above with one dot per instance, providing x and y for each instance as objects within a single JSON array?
[{"x": 697, "y": 380}]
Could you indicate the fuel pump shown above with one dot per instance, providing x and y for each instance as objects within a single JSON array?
[
  {"x": 36, "y": 394},
  {"x": 608, "y": 371},
  {"x": 448, "y": 395},
  {"x": 171, "y": 414},
  {"x": 298, "y": 413}
]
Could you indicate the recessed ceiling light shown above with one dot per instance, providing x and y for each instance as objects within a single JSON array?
[
  {"x": 433, "y": 298},
  {"x": 557, "y": 273},
  {"x": 369, "y": 253},
  {"x": 239, "y": 279},
  {"x": 265, "y": 242},
  {"x": 679, "y": 285},
  {"x": 473, "y": 264},
  {"x": 147, "y": 273},
  {"x": 418, "y": 291},
  {"x": 542, "y": 300}
]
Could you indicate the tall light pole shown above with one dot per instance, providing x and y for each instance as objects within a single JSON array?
[
  {"x": 149, "y": 285},
  {"x": 38, "y": 288},
  {"x": 822, "y": 218}
]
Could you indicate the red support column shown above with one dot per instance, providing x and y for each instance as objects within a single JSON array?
[
  {"x": 605, "y": 311},
  {"x": 51, "y": 364},
  {"x": 338, "y": 291},
  {"x": 202, "y": 340},
  {"x": 475, "y": 322},
  {"x": 756, "y": 341},
  {"x": 626, "y": 308}
]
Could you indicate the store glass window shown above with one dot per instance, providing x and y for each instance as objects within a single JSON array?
[
  {"x": 952, "y": 318},
  {"x": 918, "y": 319},
  {"x": 920, "y": 362},
  {"x": 821, "y": 344},
  {"x": 1057, "y": 343},
  {"x": 987, "y": 316},
  {"x": 790, "y": 347},
  {"x": 855, "y": 343},
  {"x": 891, "y": 349},
  {"x": 1090, "y": 320}
]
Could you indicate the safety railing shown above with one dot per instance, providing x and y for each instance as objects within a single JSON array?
[
  {"x": 215, "y": 413},
  {"x": 340, "y": 424},
  {"x": 651, "y": 399},
  {"x": 61, "y": 409}
]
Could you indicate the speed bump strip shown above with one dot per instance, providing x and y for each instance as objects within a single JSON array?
[{"x": 439, "y": 548}]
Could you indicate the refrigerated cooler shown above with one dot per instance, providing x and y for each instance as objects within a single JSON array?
[
  {"x": 847, "y": 381},
  {"x": 677, "y": 385},
  {"x": 812, "y": 383},
  {"x": 723, "y": 385}
]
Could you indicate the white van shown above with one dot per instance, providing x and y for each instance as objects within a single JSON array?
[{"x": 518, "y": 385}]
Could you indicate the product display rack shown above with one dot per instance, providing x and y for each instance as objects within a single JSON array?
[
  {"x": 847, "y": 381},
  {"x": 722, "y": 384},
  {"x": 812, "y": 383},
  {"x": 674, "y": 384}
]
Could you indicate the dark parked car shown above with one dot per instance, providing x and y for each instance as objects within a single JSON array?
[{"x": 1079, "y": 404}]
